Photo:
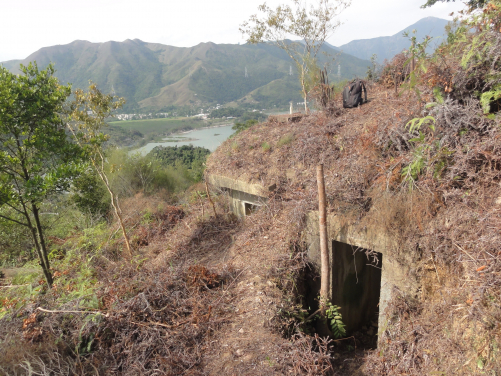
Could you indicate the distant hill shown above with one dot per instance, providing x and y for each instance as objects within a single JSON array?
[
  {"x": 154, "y": 76},
  {"x": 387, "y": 47},
  {"x": 11, "y": 64}
]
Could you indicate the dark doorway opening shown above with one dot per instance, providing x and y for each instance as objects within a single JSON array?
[
  {"x": 249, "y": 208},
  {"x": 356, "y": 286}
]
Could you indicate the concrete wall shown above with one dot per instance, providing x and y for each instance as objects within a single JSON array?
[
  {"x": 394, "y": 273},
  {"x": 243, "y": 203},
  {"x": 244, "y": 197},
  {"x": 356, "y": 299},
  {"x": 239, "y": 185}
]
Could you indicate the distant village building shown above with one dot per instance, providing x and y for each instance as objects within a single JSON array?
[{"x": 201, "y": 116}]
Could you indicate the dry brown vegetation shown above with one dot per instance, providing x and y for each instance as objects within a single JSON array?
[
  {"x": 445, "y": 211},
  {"x": 208, "y": 293},
  {"x": 203, "y": 295}
]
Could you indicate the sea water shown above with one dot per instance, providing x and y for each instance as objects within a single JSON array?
[{"x": 209, "y": 138}]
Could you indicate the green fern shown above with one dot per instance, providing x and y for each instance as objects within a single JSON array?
[
  {"x": 411, "y": 172},
  {"x": 335, "y": 320},
  {"x": 438, "y": 95},
  {"x": 487, "y": 97},
  {"x": 416, "y": 123}
]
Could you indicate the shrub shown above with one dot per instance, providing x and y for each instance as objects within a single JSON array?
[{"x": 239, "y": 127}]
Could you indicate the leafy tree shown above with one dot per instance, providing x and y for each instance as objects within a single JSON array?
[
  {"x": 373, "y": 70},
  {"x": 472, "y": 4},
  {"x": 87, "y": 113},
  {"x": 37, "y": 158},
  {"x": 226, "y": 112},
  {"x": 131, "y": 173},
  {"x": 258, "y": 116},
  {"x": 187, "y": 156},
  {"x": 313, "y": 25},
  {"x": 89, "y": 194},
  {"x": 16, "y": 243}
]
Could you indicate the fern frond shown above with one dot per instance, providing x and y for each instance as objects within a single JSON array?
[
  {"x": 416, "y": 123},
  {"x": 489, "y": 96}
]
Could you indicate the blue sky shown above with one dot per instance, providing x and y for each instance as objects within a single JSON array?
[{"x": 29, "y": 25}]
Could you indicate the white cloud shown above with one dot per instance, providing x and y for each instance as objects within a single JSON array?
[{"x": 32, "y": 24}]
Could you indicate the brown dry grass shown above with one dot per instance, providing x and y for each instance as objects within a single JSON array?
[
  {"x": 211, "y": 302},
  {"x": 219, "y": 295},
  {"x": 449, "y": 221}
]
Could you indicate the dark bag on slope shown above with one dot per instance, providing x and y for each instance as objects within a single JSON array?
[{"x": 352, "y": 94}]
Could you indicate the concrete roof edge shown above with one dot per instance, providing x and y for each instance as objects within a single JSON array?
[{"x": 238, "y": 185}]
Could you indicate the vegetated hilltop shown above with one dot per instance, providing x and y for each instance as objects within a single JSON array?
[
  {"x": 207, "y": 293},
  {"x": 425, "y": 167},
  {"x": 387, "y": 47},
  {"x": 153, "y": 76}
]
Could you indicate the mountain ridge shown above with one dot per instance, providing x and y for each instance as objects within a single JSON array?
[
  {"x": 155, "y": 76},
  {"x": 388, "y": 46}
]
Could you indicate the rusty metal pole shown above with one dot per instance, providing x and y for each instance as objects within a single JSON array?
[{"x": 324, "y": 249}]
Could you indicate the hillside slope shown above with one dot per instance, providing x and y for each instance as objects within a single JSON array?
[
  {"x": 152, "y": 75},
  {"x": 387, "y": 47}
]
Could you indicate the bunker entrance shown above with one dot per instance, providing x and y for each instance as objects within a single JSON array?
[
  {"x": 249, "y": 208},
  {"x": 356, "y": 286}
]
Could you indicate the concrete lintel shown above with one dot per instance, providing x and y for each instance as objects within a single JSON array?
[
  {"x": 343, "y": 231},
  {"x": 368, "y": 237},
  {"x": 239, "y": 185}
]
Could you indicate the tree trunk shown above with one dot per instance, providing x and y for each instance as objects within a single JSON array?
[
  {"x": 305, "y": 95},
  {"x": 99, "y": 167},
  {"x": 42, "y": 253},
  {"x": 45, "y": 269},
  {"x": 413, "y": 62},
  {"x": 118, "y": 212},
  {"x": 116, "y": 207},
  {"x": 114, "y": 200}
]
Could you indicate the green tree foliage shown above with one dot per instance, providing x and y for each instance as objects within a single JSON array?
[
  {"x": 480, "y": 52},
  {"x": 227, "y": 112},
  {"x": 130, "y": 173},
  {"x": 187, "y": 156},
  {"x": 258, "y": 116},
  {"x": 89, "y": 194},
  {"x": 311, "y": 24},
  {"x": 239, "y": 127},
  {"x": 16, "y": 243},
  {"x": 373, "y": 70},
  {"x": 37, "y": 158},
  {"x": 87, "y": 113},
  {"x": 473, "y": 4},
  {"x": 465, "y": 66}
]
